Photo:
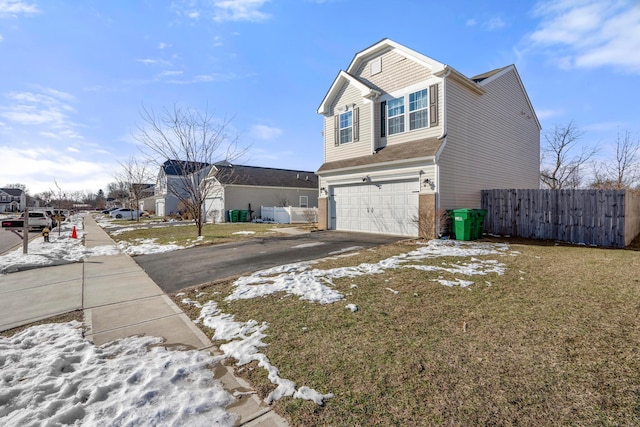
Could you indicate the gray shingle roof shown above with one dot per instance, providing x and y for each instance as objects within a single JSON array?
[
  {"x": 405, "y": 151},
  {"x": 16, "y": 192},
  {"x": 268, "y": 177},
  {"x": 179, "y": 167}
]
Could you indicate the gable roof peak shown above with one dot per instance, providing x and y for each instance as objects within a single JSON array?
[{"x": 388, "y": 44}]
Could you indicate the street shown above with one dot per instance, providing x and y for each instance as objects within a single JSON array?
[
  {"x": 9, "y": 240},
  {"x": 177, "y": 270}
]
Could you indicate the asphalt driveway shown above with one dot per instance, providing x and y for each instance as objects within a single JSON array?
[{"x": 177, "y": 270}]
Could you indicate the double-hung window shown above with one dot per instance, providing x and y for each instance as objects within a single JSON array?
[
  {"x": 346, "y": 127},
  {"x": 395, "y": 115},
  {"x": 423, "y": 112},
  {"x": 418, "y": 110}
]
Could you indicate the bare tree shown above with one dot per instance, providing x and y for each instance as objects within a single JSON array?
[
  {"x": 561, "y": 161},
  {"x": 118, "y": 190},
  {"x": 194, "y": 141},
  {"x": 135, "y": 175},
  {"x": 623, "y": 171}
]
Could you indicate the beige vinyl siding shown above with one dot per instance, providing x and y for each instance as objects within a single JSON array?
[
  {"x": 397, "y": 72},
  {"x": 490, "y": 143},
  {"x": 348, "y": 95}
]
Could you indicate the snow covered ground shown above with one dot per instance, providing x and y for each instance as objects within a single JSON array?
[{"x": 51, "y": 375}]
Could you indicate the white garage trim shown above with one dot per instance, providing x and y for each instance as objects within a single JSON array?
[{"x": 385, "y": 207}]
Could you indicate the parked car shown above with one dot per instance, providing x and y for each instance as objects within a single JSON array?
[
  {"x": 38, "y": 220},
  {"x": 108, "y": 211},
  {"x": 48, "y": 212},
  {"x": 125, "y": 213}
]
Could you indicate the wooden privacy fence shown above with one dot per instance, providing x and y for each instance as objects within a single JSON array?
[{"x": 591, "y": 217}]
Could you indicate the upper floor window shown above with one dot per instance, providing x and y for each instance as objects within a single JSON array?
[
  {"x": 395, "y": 115},
  {"x": 418, "y": 112},
  {"x": 423, "y": 112},
  {"x": 346, "y": 127}
]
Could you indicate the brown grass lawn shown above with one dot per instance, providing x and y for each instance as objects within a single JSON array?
[{"x": 553, "y": 341}]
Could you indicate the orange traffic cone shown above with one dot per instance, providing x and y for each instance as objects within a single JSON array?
[{"x": 74, "y": 234}]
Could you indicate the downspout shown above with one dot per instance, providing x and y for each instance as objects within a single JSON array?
[
  {"x": 373, "y": 97},
  {"x": 443, "y": 134}
]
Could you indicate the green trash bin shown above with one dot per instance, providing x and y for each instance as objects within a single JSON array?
[
  {"x": 233, "y": 215},
  {"x": 477, "y": 223},
  {"x": 243, "y": 216},
  {"x": 462, "y": 220}
]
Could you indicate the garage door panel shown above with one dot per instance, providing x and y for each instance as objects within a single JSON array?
[{"x": 380, "y": 207}]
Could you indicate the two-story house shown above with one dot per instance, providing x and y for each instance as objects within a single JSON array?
[
  {"x": 172, "y": 184},
  {"x": 12, "y": 199},
  {"x": 406, "y": 136}
]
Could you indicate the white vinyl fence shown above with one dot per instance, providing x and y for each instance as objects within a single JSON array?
[{"x": 289, "y": 215}]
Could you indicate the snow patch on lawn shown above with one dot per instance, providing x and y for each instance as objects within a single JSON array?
[
  {"x": 51, "y": 375},
  {"x": 316, "y": 285},
  {"x": 244, "y": 339}
]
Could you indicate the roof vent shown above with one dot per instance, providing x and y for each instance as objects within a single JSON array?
[
  {"x": 297, "y": 176},
  {"x": 307, "y": 178}
]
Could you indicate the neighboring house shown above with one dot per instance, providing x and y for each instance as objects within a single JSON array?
[
  {"x": 406, "y": 136},
  {"x": 237, "y": 187},
  {"x": 12, "y": 200},
  {"x": 170, "y": 181}
]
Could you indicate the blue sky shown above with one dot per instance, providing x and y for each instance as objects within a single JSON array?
[{"x": 75, "y": 74}]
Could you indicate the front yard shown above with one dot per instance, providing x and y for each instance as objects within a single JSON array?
[{"x": 549, "y": 334}]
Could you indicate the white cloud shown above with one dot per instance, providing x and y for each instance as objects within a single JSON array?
[
  {"x": 15, "y": 7},
  {"x": 494, "y": 23},
  {"x": 546, "y": 114},
  {"x": 151, "y": 61},
  {"x": 38, "y": 167},
  {"x": 239, "y": 10},
  {"x": 490, "y": 24},
  {"x": 221, "y": 10},
  {"x": 590, "y": 33},
  {"x": 170, "y": 73},
  {"x": 265, "y": 132},
  {"x": 163, "y": 45},
  {"x": 1, "y": 38}
]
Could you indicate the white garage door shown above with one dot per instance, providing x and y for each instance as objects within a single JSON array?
[
  {"x": 385, "y": 208},
  {"x": 214, "y": 210}
]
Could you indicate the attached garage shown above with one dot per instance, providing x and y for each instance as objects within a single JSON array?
[{"x": 387, "y": 207}]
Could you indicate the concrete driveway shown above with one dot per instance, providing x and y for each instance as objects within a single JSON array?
[{"x": 177, "y": 270}]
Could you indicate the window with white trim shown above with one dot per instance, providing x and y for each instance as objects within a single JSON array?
[
  {"x": 395, "y": 116},
  {"x": 304, "y": 201},
  {"x": 346, "y": 127},
  {"x": 418, "y": 110}
]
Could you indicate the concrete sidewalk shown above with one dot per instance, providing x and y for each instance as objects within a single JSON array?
[{"x": 119, "y": 300}]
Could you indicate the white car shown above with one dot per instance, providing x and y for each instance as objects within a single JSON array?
[
  {"x": 125, "y": 213},
  {"x": 38, "y": 220}
]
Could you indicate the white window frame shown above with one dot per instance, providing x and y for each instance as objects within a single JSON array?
[
  {"x": 346, "y": 136},
  {"x": 420, "y": 110},
  {"x": 400, "y": 114},
  {"x": 405, "y": 95},
  {"x": 304, "y": 204}
]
